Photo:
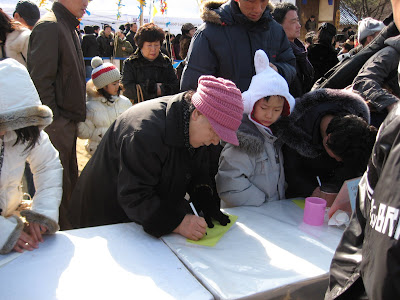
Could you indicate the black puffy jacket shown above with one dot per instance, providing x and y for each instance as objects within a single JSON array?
[
  {"x": 224, "y": 46},
  {"x": 366, "y": 264}
]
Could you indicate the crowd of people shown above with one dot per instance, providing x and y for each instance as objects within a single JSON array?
[{"x": 252, "y": 114}]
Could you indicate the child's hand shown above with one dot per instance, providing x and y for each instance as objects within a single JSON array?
[
  {"x": 36, "y": 230},
  {"x": 25, "y": 242}
]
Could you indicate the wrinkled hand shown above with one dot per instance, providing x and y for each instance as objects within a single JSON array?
[
  {"x": 192, "y": 227},
  {"x": 25, "y": 242}
]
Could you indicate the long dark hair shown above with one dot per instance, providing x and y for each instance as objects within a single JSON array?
[
  {"x": 7, "y": 25},
  {"x": 29, "y": 135}
]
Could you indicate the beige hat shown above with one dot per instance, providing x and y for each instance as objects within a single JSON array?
[{"x": 103, "y": 73}]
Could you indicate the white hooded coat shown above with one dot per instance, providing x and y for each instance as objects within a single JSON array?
[
  {"x": 21, "y": 108},
  {"x": 252, "y": 173},
  {"x": 100, "y": 114}
]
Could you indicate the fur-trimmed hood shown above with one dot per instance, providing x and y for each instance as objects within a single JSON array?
[
  {"x": 20, "y": 107},
  {"x": 220, "y": 12},
  {"x": 251, "y": 140},
  {"x": 298, "y": 130}
]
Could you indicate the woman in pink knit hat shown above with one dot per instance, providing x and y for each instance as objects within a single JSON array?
[{"x": 154, "y": 156}]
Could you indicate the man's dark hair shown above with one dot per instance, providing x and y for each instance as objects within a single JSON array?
[
  {"x": 149, "y": 32},
  {"x": 281, "y": 9},
  {"x": 29, "y": 135},
  {"x": 96, "y": 27},
  {"x": 28, "y": 11},
  {"x": 106, "y": 26},
  {"x": 352, "y": 139},
  {"x": 88, "y": 29}
]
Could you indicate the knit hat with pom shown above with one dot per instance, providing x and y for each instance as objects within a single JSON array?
[
  {"x": 266, "y": 82},
  {"x": 221, "y": 102},
  {"x": 103, "y": 73}
]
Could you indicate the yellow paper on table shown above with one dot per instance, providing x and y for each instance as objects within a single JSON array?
[
  {"x": 215, "y": 234},
  {"x": 299, "y": 202}
]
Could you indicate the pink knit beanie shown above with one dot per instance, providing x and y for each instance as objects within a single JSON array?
[{"x": 221, "y": 102}]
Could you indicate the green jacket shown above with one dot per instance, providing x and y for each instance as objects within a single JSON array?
[{"x": 119, "y": 44}]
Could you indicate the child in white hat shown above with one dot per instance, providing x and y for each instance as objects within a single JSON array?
[
  {"x": 103, "y": 103},
  {"x": 22, "y": 139},
  {"x": 252, "y": 173}
]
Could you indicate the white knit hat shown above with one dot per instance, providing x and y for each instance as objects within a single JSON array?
[
  {"x": 103, "y": 73},
  {"x": 266, "y": 82},
  {"x": 367, "y": 27}
]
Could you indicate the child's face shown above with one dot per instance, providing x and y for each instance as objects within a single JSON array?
[
  {"x": 112, "y": 88},
  {"x": 268, "y": 111}
]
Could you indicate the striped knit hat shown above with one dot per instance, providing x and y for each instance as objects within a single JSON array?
[
  {"x": 221, "y": 102},
  {"x": 103, "y": 73}
]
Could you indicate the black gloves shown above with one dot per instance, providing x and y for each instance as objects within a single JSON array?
[{"x": 204, "y": 200}]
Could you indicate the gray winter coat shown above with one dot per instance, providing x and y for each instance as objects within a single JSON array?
[
  {"x": 251, "y": 173},
  {"x": 225, "y": 44}
]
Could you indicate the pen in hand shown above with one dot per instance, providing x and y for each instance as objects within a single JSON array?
[{"x": 187, "y": 197}]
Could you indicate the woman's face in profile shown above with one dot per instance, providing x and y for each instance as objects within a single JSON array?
[{"x": 151, "y": 50}]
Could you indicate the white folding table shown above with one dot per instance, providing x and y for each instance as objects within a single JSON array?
[
  {"x": 107, "y": 262},
  {"x": 268, "y": 254}
]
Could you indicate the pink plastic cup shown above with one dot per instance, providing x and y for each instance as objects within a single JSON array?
[{"x": 314, "y": 211}]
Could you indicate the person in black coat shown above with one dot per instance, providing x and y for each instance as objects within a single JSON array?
[
  {"x": 286, "y": 15},
  {"x": 90, "y": 48},
  {"x": 366, "y": 262},
  {"x": 322, "y": 54},
  {"x": 130, "y": 36},
  {"x": 154, "y": 156},
  {"x": 148, "y": 72},
  {"x": 225, "y": 44},
  {"x": 106, "y": 42},
  {"x": 326, "y": 135}
]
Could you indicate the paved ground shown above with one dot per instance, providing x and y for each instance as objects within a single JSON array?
[{"x": 81, "y": 154}]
